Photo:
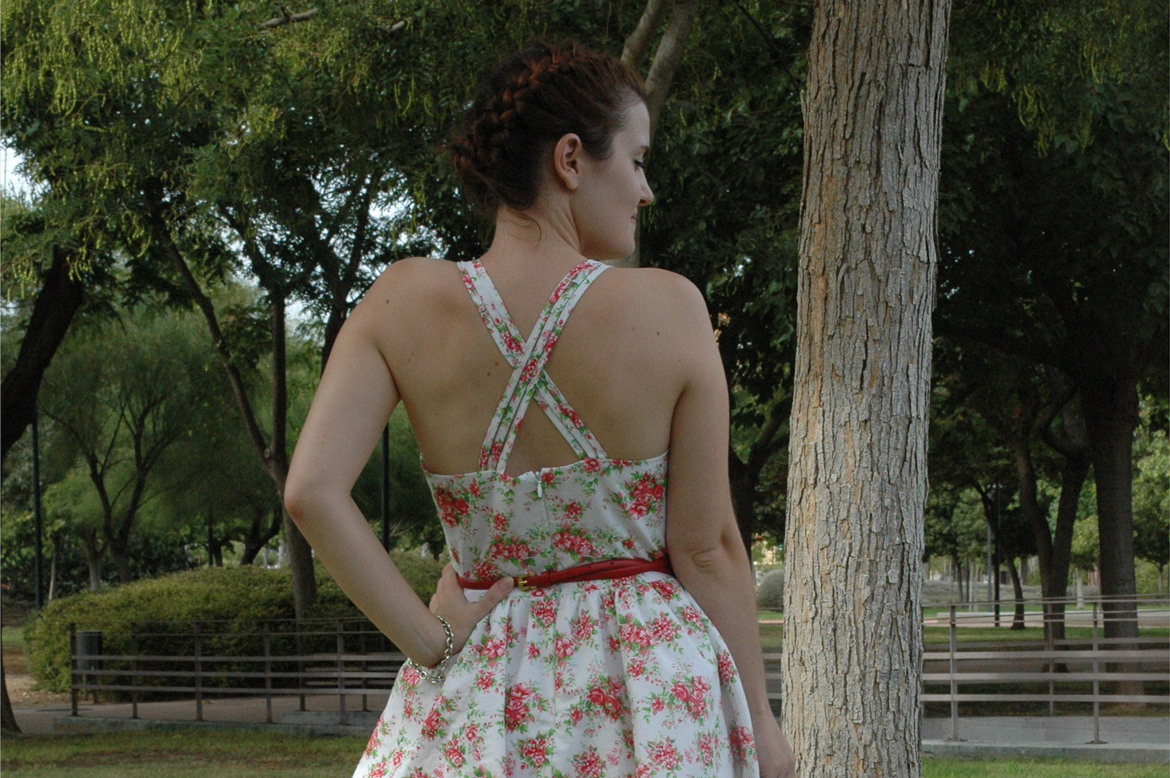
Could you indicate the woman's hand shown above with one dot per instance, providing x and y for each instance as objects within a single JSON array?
[
  {"x": 774, "y": 752},
  {"x": 450, "y": 603}
]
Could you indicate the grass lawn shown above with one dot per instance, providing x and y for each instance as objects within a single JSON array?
[
  {"x": 245, "y": 754},
  {"x": 187, "y": 753},
  {"x": 12, "y": 636}
]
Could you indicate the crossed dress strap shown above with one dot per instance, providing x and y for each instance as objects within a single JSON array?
[{"x": 528, "y": 357}]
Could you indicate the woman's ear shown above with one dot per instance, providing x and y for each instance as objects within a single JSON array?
[{"x": 567, "y": 161}]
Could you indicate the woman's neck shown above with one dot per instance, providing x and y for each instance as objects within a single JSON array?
[{"x": 534, "y": 235}]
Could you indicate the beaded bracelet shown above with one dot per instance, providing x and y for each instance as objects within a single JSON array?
[{"x": 437, "y": 673}]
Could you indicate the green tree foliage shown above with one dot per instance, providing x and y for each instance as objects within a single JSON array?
[
  {"x": 121, "y": 396},
  {"x": 726, "y": 169},
  {"x": 1041, "y": 55},
  {"x": 412, "y": 512},
  {"x": 1054, "y": 230},
  {"x": 1151, "y": 493}
]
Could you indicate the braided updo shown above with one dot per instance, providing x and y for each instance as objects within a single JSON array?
[{"x": 531, "y": 100}]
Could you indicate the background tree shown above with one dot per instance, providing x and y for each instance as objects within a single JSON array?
[
  {"x": 999, "y": 419},
  {"x": 955, "y": 527},
  {"x": 857, "y": 457},
  {"x": 121, "y": 396},
  {"x": 728, "y": 188},
  {"x": 1151, "y": 493},
  {"x": 1063, "y": 219}
]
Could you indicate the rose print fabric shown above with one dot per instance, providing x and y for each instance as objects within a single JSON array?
[{"x": 622, "y": 677}]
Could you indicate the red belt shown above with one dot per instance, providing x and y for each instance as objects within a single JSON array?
[{"x": 593, "y": 571}]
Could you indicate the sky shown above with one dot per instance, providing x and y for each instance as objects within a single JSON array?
[{"x": 10, "y": 180}]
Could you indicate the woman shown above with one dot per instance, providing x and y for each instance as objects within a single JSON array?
[{"x": 594, "y": 667}]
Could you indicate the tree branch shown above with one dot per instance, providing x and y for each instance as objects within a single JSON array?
[
  {"x": 162, "y": 238},
  {"x": 1043, "y": 353},
  {"x": 60, "y": 296},
  {"x": 638, "y": 43},
  {"x": 668, "y": 56},
  {"x": 287, "y": 18}
]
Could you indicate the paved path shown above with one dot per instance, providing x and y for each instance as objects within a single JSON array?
[{"x": 1127, "y": 739}]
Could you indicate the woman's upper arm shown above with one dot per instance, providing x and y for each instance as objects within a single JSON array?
[
  {"x": 699, "y": 507},
  {"x": 351, "y": 407}
]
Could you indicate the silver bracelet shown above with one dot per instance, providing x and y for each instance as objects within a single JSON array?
[{"x": 438, "y": 672}]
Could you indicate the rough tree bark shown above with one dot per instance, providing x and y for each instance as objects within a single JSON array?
[{"x": 857, "y": 453}]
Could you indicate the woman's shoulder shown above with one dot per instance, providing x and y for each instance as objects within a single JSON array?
[
  {"x": 415, "y": 273},
  {"x": 660, "y": 296},
  {"x": 410, "y": 286}
]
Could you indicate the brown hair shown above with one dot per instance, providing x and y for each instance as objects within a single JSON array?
[{"x": 532, "y": 99}]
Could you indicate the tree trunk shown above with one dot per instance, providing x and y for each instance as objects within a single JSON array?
[
  {"x": 7, "y": 717},
  {"x": 857, "y": 461},
  {"x": 299, "y": 553},
  {"x": 52, "y": 575},
  {"x": 121, "y": 558},
  {"x": 93, "y": 558},
  {"x": 258, "y": 536},
  {"x": 1054, "y": 583},
  {"x": 1018, "y": 590},
  {"x": 59, "y": 298},
  {"x": 1111, "y": 413},
  {"x": 743, "y": 498}
]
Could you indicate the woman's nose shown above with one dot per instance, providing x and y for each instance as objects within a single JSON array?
[{"x": 647, "y": 195}]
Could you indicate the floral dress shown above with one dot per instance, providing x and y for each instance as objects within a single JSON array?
[{"x": 622, "y": 677}]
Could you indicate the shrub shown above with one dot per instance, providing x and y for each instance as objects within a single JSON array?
[
  {"x": 232, "y": 602},
  {"x": 770, "y": 593}
]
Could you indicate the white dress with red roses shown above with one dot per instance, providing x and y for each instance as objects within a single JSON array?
[{"x": 623, "y": 677}]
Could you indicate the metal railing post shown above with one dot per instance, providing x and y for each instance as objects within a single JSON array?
[
  {"x": 73, "y": 668},
  {"x": 133, "y": 670},
  {"x": 300, "y": 663},
  {"x": 267, "y": 672},
  {"x": 341, "y": 716},
  {"x": 954, "y": 681},
  {"x": 1050, "y": 649},
  {"x": 198, "y": 673},
  {"x": 1096, "y": 684},
  {"x": 364, "y": 668}
]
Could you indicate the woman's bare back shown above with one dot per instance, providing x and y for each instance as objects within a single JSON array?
[{"x": 618, "y": 360}]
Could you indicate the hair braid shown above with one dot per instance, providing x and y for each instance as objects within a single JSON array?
[{"x": 532, "y": 99}]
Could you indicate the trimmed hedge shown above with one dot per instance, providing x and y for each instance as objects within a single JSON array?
[
  {"x": 770, "y": 593},
  {"x": 236, "y": 599}
]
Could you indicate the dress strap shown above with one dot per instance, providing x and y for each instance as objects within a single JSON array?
[{"x": 527, "y": 357}]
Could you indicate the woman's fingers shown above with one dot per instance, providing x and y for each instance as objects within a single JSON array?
[
  {"x": 450, "y": 602},
  {"x": 495, "y": 595}
]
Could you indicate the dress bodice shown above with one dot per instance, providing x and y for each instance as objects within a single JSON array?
[
  {"x": 556, "y": 517},
  {"x": 553, "y": 518}
]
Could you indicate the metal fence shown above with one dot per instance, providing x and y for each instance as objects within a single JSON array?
[
  {"x": 346, "y": 658},
  {"x": 1055, "y": 671},
  {"x": 338, "y": 657}
]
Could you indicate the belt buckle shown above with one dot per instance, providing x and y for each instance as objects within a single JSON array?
[{"x": 524, "y": 583}]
